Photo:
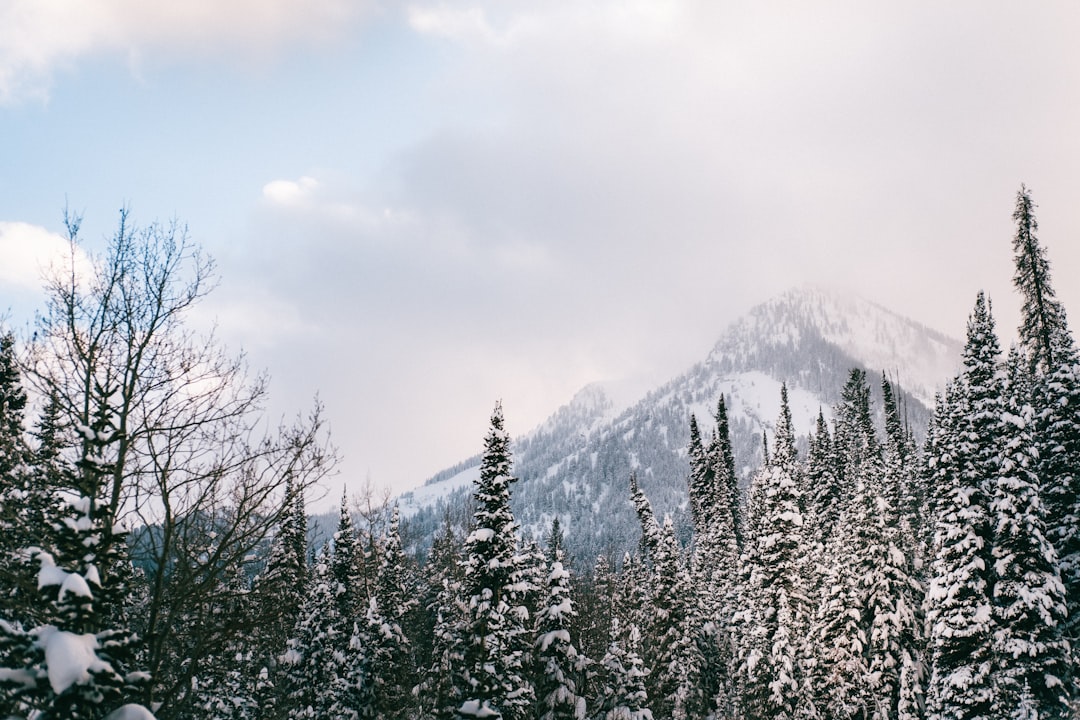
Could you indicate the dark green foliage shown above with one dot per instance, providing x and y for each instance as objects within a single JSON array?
[
  {"x": 960, "y": 595},
  {"x": 1043, "y": 331},
  {"x": 1029, "y": 600},
  {"x": 493, "y": 629}
]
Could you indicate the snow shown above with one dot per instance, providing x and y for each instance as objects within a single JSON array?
[
  {"x": 76, "y": 585},
  {"x": 412, "y": 502},
  {"x": 545, "y": 640},
  {"x": 473, "y": 708},
  {"x": 481, "y": 535},
  {"x": 130, "y": 712},
  {"x": 69, "y": 658},
  {"x": 73, "y": 583},
  {"x": 20, "y": 676}
]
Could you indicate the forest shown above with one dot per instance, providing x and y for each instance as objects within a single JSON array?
[{"x": 156, "y": 559}]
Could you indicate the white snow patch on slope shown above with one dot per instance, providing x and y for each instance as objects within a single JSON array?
[{"x": 411, "y": 502}]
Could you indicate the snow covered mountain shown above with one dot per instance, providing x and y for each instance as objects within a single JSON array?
[{"x": 576, "y": 464}]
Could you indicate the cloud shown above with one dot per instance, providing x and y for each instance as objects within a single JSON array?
[
  {"x": 289, "y": 193},
  {"x": 38, "y": 37},
  {"x": 29, "y": 252},
  {"x": 602, "y": 186}
]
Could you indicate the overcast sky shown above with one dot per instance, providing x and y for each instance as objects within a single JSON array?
[{"x": 419, "y": 208}]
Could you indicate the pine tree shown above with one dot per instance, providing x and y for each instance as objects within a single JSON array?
[
  {"x": 396, "y": 597},
  {"x": 347, "y": 691},
  {"x": 700, "y": 481},
  {"x": 225, "y": 687},
  {"x": 596, "y": 607},
  {"x": 838, "y": 642},
  {"x": 493, "y": 662},
  {"x": 344, "y": 565},
  {"x": 278, "y": 593},
  {"x": 1043, "y": 330},
  {"x": 622, "y": 689},
  {"x": 714, "y": 570},
  {"x": 81, "y": 664},
  {"x": 674, "y": 658},
  {"x": 309, "y": 661},
  {"x": 1055, "y": 367},
  {"x": 1032, "y": 658},
  {"x": 559, "y": 665},
  {"x": 442, "y": 689},
  {"x": 825, "y": 498},
  {"x": 959, "y": 604},
  {"x": 776, "y": 593},
  {"x": 723, "y": 462},
  {"x": 897, "y": 640},
  {"x": 24, "y": 494}
]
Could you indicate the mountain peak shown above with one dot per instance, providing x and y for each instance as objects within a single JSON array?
[
  {"x": 575, "y": 465},
  {"x": 871, "y": 336}
]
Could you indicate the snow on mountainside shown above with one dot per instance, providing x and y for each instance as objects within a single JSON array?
[
  {"x": 920, "y": 358},
  {"x": 576, "y": 464}
]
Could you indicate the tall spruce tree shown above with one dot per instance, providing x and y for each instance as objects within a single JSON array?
[
  {"x": 396, "y": 597},
  {"x": 776, "y": 595},
  {"x": 493, "y": 672},
  {"x": 559, "y": 666},
  {"x": 1052, "y": 357},
  {"x": 959, "y": 600},
  {"x": 714, "y": 570},
  {"x": 442, "y": 688},
  {"x": 623, "y": 695},
  {"x": 1043, "y": 330},
  {"x": 1032, "y": 658},
  {"x": 310, "y": 661}
]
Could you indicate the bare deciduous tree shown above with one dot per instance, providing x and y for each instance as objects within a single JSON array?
[{"x": 172, "y": 438}]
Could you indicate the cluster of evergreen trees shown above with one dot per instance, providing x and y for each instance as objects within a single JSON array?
[{"x": 868, "y": 578}]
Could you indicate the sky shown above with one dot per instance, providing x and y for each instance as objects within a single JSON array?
[{"x": 420, "y": 208}]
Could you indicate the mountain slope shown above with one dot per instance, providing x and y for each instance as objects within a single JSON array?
[{"x": 577, "y": 463}]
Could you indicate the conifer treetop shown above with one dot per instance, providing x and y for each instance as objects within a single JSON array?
[{"x": 1043, "y": 330}]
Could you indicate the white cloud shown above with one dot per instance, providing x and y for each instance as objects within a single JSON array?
[
  {"x": 37, "y": 37},
  {"x": 27, "y": 252},
  {"x": 460, "y": 24},
  {"x": 290, "y": 193}
]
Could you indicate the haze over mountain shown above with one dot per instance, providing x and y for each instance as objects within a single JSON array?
[{"x": 577, "y": 463}]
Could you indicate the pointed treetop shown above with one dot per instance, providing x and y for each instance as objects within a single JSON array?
[
  {"x": 894, "y": 430},
  {"x": 981, "y": 351},
  {"x": 784, "y": 451},
  {"x": 1043, "y": 330}
]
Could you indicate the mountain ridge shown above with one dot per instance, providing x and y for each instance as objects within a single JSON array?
[{"x": 575, "y": 465}]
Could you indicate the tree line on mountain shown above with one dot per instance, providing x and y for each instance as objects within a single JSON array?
[{"x": 867, "y": 577}]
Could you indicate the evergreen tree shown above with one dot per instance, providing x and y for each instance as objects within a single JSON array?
[
  {"x": 723, "y": 462},
  {"x": 776, "y": 595},
  {"x": 622, "y": 690},
  {"x": 278, "y": 593},
  {"x": 311, "y": 666},
  {"x": 1043, "y": 330},
  {"x": 714, "y": 571},
  {"x": 1033, "y": 662},
  {"x": 396, "y": 598},
  {"x": 81, "y": 665},
  {"x": 558, "y": 663},
  {"x": 493, "y": 662},
  {"x": 348, "y": 689},
  {"x": 1055, "y": 366},
  {"x": 825, "y": 497},
  {"x": 674, "y": 658},
  {"x": 25, "y": 495},
  {"x": 442, "y": 688},
  {"x": 596, "y": 607},
  {"x": 959, "y": 604}
]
